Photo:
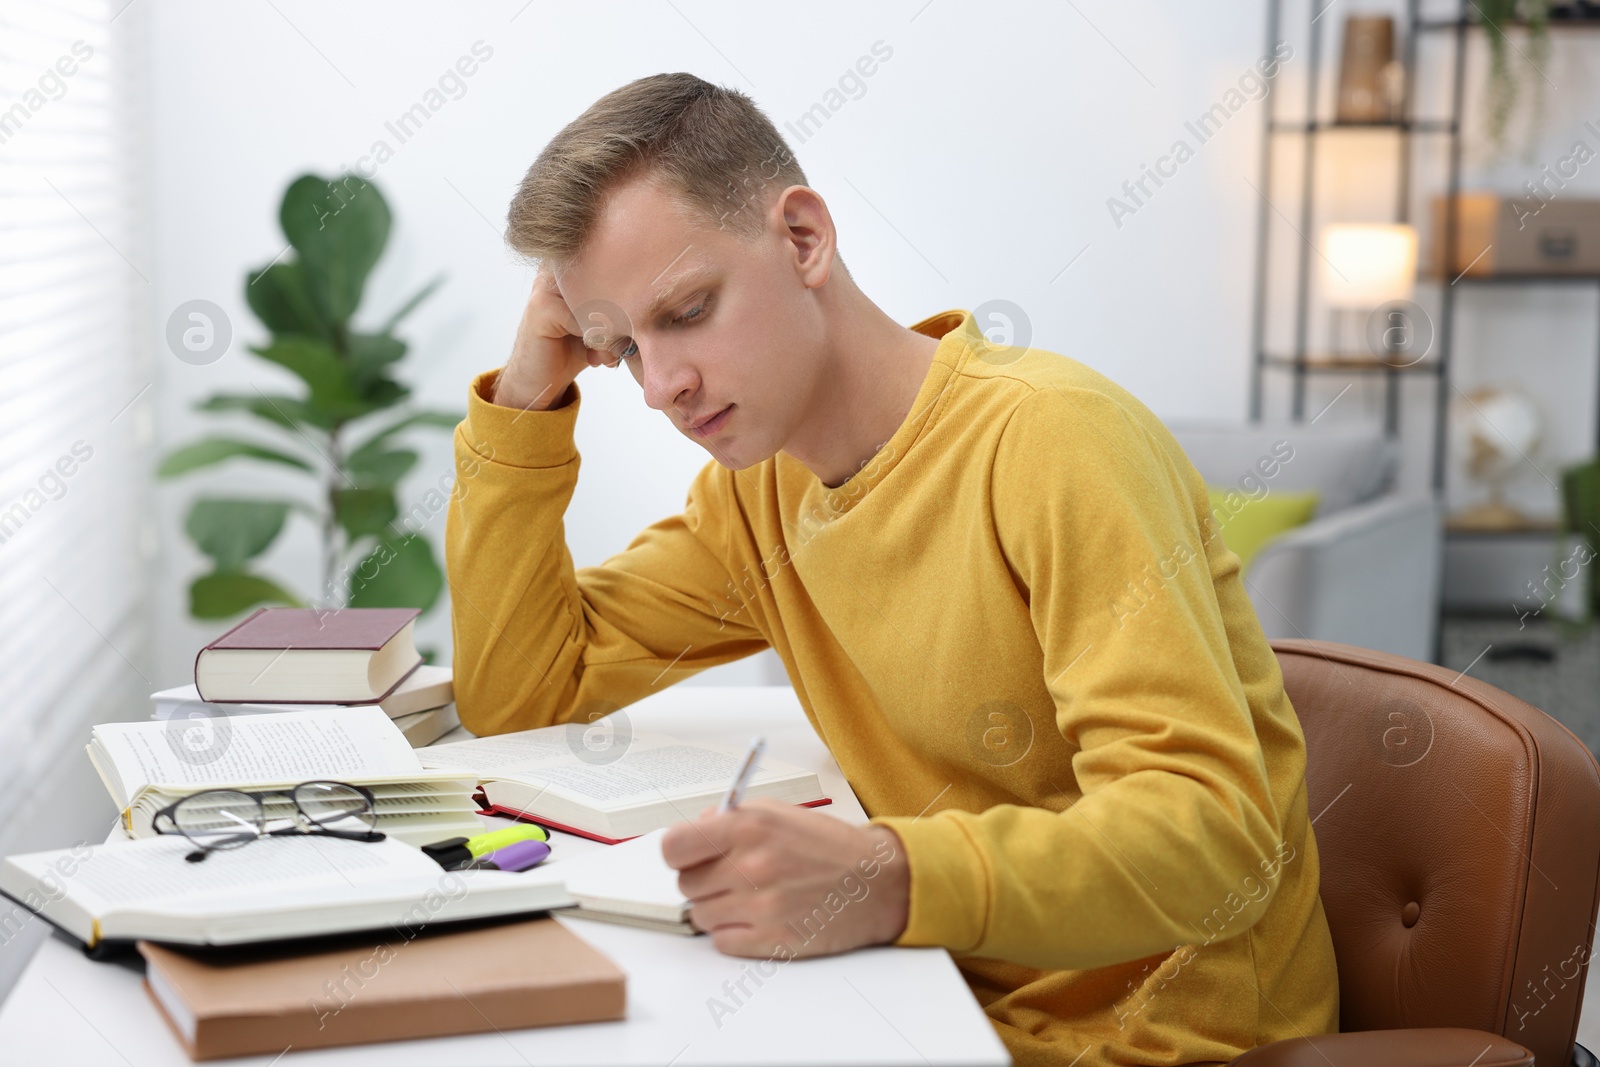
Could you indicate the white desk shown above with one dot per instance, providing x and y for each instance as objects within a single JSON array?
[{"x": 873, "y": 1006}]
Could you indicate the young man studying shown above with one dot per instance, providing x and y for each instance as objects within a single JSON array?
[{"x": 991, "y": 574}]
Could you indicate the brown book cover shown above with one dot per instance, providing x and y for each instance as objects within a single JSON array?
[
  {"x": 338, "y": 629},
  {"x": 457, "y": 979}
]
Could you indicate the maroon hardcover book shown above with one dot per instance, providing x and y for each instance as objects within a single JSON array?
[{"x": 337, "y": 629}]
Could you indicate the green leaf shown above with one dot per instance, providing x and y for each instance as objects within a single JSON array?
[
  {"x": 366, "y": 511},
  {"x": 339, "y": 229},
  {"x": 278, "y": 296},
  {"x": 384, "y": 393},
  {"x": 444, "y": 420},
  {"x": 399, "y": 573},
  {"x": 223, "y": 594},
  {"x": 369, "y": 354},
  {"x": 318, "y": 365},
  {"x": 285, "y": 411},
  {"x": 212, "y": 450},
  {"x": 379, "y": 467},
  {"x": 232, "y": 531},
  {"x": 405, "y": 309},
  {"x": 430, "y": 655}
]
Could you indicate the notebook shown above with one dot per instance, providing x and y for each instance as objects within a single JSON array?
[
  {"x": 310, "y": 656},
  {"x": 148, "y": 765},
  {"x": 551, "y": 776},
  {"x": 628, "y": 883},
  {"x": 277, "y": 887},
  {"x": 423, "y": 689},
  {"x": 263, "y": 1000}
]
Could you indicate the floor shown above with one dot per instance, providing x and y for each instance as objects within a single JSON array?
[{"x": 1567, "y": 687}]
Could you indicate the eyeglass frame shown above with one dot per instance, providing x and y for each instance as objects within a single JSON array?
[{"x": 302, "y": 823}]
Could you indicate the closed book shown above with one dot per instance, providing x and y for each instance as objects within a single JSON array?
[
  {"x": 310, "y": 656},
  {"x": 269, "y": 999},
  {"x": 426, "y": 727},
  {"x": 424, "y": 689}
]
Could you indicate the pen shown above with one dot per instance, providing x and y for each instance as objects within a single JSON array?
[{"x": 731, "y": 798}]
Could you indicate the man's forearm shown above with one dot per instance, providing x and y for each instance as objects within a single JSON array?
[{"x": 512, "y": 394}]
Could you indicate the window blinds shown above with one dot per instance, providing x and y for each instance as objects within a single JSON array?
[{"x": 75, "y": 383}]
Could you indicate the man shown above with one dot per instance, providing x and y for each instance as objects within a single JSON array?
[{"x": 990, "y": 572}]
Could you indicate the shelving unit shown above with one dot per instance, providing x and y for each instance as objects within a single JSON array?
[{"x": 1300, "y": 362}]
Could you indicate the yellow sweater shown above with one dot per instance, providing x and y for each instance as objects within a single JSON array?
[{"x": 1019, "y": 635}]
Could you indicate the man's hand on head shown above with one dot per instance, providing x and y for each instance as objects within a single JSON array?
[
  {"x": 771, "y": 879},
  {"x": 549, "y": 351}
]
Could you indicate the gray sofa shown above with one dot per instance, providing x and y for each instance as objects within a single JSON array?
[{"x": 1365, "y": 570}]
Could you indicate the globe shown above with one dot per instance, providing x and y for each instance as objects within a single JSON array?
[{"x": 1496, "y": 431}]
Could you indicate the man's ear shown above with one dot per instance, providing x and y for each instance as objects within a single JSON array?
[{"x": 808, "y": 233}]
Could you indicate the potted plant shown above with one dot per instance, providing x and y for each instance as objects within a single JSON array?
[
  {"x": 1504, "y": 83},
  {"x": 344, "y": 429},
  {"x": 1580, "y": 517}
]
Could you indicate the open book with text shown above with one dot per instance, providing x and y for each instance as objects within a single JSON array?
[
  {"x": 274, "y": 888},
  {"x": 147, "y": 765},
  {"x": 629, "y": 785}
]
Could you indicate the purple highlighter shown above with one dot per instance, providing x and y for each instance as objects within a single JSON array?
[{"x": 517, "y": 856}]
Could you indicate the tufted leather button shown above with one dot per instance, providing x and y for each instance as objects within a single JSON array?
[{"x": 1409, "y": 913}]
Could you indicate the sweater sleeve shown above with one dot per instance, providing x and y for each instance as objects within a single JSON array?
[
  {"x": 538, "y": 642},
  {"x": 1166, "y": 811}
]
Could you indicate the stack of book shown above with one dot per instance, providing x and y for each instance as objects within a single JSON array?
[
  {"x": 282, "y": 659},
  {"x": 237, "y": 946}
]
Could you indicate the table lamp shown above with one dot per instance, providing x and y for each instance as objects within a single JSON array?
[{"x": 1364, "y": 266}]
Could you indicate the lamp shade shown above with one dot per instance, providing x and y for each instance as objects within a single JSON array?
[{"x": 1365, "y": 265}]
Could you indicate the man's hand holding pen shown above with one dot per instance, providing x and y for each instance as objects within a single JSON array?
[{"x": 767, "y": 878}]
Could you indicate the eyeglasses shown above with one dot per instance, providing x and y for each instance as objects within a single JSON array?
[{"x": 216, "y": 819}]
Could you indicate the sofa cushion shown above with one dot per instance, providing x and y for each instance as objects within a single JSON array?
[
  {"x": 1247, "y": 523},
  {"x": 1345, "y": 464}
]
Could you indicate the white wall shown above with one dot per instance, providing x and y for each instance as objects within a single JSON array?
[{"x": 976, "y": 165}]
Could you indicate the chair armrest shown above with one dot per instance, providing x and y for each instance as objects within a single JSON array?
[
  {"x": 1445, "y": 1046},
  {"x": 1367, "y": 575}
]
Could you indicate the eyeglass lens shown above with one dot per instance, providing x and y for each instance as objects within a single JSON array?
[
  {"x": 219, "y": 818},
  {"x": 225, "y": 818},
  {"x": 334, "y": 804}
]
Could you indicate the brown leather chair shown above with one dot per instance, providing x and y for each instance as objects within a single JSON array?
[{"x": 1458, "y": 830}]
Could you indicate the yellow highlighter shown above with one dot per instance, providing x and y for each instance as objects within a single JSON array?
[{"x": 483, "y": 844}]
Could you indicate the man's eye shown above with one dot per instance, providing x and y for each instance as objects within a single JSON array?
[{"x": 694, "y": 314}]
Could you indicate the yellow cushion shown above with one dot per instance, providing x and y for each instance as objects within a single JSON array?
[{"x": 1246, "y": 524}]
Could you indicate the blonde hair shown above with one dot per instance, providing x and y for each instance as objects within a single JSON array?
[{"x": 709, "y": 146}]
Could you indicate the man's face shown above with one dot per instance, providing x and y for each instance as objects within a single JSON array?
[{"x": 705, "y": 322}]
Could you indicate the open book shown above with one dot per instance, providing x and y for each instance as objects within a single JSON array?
[
  {"x": 277, "y": 887},
  {"x": 147, "y": 765},
  {"x": 628, "y": 883},
  {"x": 639, "y": 782}
]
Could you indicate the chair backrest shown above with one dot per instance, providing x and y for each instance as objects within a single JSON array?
[
  {"x": 1345, "y": 464},
  {"x": 1458, "y": 832}
]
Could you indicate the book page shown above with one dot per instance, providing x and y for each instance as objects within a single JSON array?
[
  {"x": 651, "y": 766},
  {"x": 240, "y": 749},
  {"x": 633, "y": 871},
  {"x": 153, "y": 871}
]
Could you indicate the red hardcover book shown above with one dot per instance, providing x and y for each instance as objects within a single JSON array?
[
  {"x": 498, "y": 809},
  {"x": 310, "y": 656}
]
